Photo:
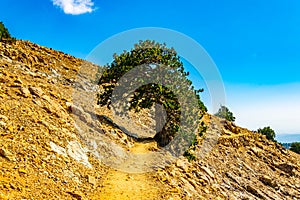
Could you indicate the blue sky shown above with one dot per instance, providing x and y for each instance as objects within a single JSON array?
[{"x": 255, "y": 44}]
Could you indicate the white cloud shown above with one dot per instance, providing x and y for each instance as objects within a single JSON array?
[{"x": 75, "y": 7}]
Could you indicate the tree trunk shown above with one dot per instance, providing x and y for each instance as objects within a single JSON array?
[{"x": 161, "y": 136}]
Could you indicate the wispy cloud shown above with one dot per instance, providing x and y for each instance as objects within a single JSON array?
[{"x": 75, "y": 7}]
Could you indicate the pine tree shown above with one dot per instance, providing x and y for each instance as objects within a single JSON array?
[{"x": 152, "y": 59}]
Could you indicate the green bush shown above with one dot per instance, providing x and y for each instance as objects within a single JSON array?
[
  {"x": 4, "y": 34},
  {"x": 148, "y": 54},
  {"x": 190, "y": 156},
  {"x": 268, "y": 132},
  {"x": 188, "y": 153},
  {"x": 225, "y": 113},
  {"x": 295, "y": 147}
]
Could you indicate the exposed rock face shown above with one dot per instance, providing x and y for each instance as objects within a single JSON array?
[
  {"x": 243, "y": 165},
  {"x": 35, "y": 122},
  {"x": 42, "y": 153}
]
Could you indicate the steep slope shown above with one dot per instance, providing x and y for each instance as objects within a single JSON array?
[
  {"x": 242, "y": 165},
  {"x": 43, "y": 155}
]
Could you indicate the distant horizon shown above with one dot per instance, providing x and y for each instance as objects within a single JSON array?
[{"x": 288, "y": 138}]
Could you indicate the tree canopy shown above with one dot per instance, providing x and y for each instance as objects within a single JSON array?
[
  {"x": 295, "y": 147},
  {"x": 225, "y": 113},
  {"x": 162, "y": 80},
  {"x": 268, "y": 132},
  {"x": 4, "y": 33}
]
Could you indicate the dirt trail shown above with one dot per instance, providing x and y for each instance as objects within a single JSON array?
[{"x": 122, "y": 185}]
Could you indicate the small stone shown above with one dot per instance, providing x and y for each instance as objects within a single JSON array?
[
  {"x": 2, "y": 124},
  {"x": 36, "y": 91},
  {"x": 23, "y": 171},
  {"x": 182, "y": 164},
  {"x": 21, "y": 128},
  {"x": 91, "y": 179},
  {"x": 207, "y": 171},
  {"x": 204, "y": 180},
  {"x": 10, "y": 128},
  {"x": 25, "y": 92},
  {"x": 287, "y": 168},
  {"x": 76, "y": 195},
  {"x": 6, "y": 154},
  {"x": 3, "y": 117},
  {"x": 206, "y": 191},
  {"x": 18, "y": 81},
  {"x": 255, "y": 191}
]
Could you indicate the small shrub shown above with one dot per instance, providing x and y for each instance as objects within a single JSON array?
[
  {"x": 295, "y": 147},
  {"x": 5, "y": 35},
  {"x": 225, "y": 113},
  {"x": 268, "y": 132},
  {"x": 189, "y": 156}
]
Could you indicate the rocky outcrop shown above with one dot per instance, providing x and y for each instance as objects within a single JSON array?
[
  {"x": 41, "y": 153},
  {"x": 242, "y": 165}
]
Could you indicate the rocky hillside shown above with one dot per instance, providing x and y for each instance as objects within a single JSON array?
[{"x": 44, "y": 155}]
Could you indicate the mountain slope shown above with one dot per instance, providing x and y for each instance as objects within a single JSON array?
[
  {"x": 42, "y": 154},
  {"x": 242, "y": 165}
]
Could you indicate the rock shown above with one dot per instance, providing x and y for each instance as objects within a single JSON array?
[
  {"x": 18, "y": 81},
  {"x": 256, "y": 151},
  {"x": 267, "y": 181},
  {"x": 3, "y": 117},
  {"x": 91, "y": 179},
  {"x": 76, "y": 195},
  {"x": 25, "y": 92},
  {"x": 54, "y": 72},
  {"x": 58, "y": 149},
  {"x": 10, "y": 128},
  {"x": 77, "y": 110},
  {"x": 2, "y": 124},
  {"x": 207, "y": 171},
  {"x": 192, "y": 182},
  {"x": 183, "y": 164},
  {"x": 47, "y": 98},
  {"x": 256, "y": 168},
  {"x": 87, "y": 118},
  {"x": 54, "y": 107},
  {"x": 6, "y": 154},
  {"x": 287, "y": 168},
  {"x": 233, "y": 177},
  {"x": 203, "y": 180},
  {"x": 22, "y": 171},
  {"x": 75, "y": 151},
  {"x": 36, "y": 91},
  {"x": 70, "y": 175},
  {"x": 231, "y": 127},
  {"x": 255, "y": 191}
]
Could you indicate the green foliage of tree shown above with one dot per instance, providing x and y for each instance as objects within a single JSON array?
[
  {"x": 225, "y": 113},
  {"x": 268, "y": 132},
  {"x": 4, "y": 33},
  {"x": 189, "y": 153},
  {"x": 149, "y": 55},
  {"x": 295, "y": 147}
]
